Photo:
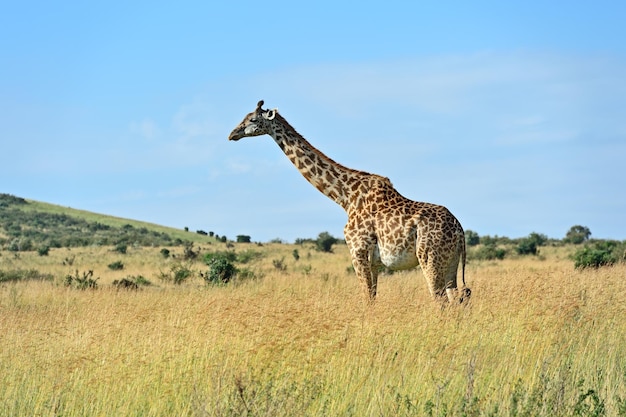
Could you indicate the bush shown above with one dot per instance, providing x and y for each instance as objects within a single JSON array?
[
  {"x": 601, "y": 254},
  {"x": 279, "y": 264},
  {"x": 221, "y": 271},
  {"x": 178, "y": 273},
  {"x": 86, "y": 281},
  {"x": 165, "y": 253},
  {"x": 43, "y": 250},
  {"x": 230, "y": 256},
  {"x": 526, "y": 246},
  {"x": 116, "y": 266},
  {"x": 140, "y": 280},
  {"x": 188, "y": 252},
  {"x": 126, "y": 284},
  {"x": 488, "y": 252},
  {"x": 121, "y": 248}
]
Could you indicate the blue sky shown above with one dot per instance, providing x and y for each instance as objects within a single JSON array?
[{"x": 511, "y": 114}]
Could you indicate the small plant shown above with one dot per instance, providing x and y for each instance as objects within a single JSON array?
[
  {"x": 141, "y": 280},
  {"x": 121, "y": 248},
  {"x": 116, "y": 266},
  {"x": 43, "y": 250},
  {"x": 221, "y": 271},
  {"x": 165, "y": 253},
  {"x": 126, "y": 284},
  {"x": 296, "y": 254},
  {"x": 178, "y": 273},
  {"x": 86, "y": 281},
  {"x": 188, "y": 252},
  {"x": 280, "y": 264}
]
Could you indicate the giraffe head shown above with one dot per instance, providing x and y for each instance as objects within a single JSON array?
[{"x": 256, "y": 123}]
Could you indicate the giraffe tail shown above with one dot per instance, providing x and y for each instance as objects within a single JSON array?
[
  {"x": 465, "y": 291},
  {"x": 463, "y": 259}
]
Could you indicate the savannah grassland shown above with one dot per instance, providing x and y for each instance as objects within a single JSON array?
[{"x": 539, "y": 338}]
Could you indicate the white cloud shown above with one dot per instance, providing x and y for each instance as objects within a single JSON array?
[
  {"x": 193, "y": 120},
  {"x": 146, "y": 128}
]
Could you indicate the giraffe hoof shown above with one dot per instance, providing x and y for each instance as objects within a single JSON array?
[{"x": 465, "y": 295}]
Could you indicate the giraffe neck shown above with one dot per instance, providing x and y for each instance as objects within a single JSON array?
[{"x": 337, "y": 182}]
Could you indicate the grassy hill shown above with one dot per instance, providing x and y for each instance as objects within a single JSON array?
[{"x": 35, "y": 224}]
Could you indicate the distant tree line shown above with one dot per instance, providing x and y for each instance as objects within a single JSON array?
[
  {"x": 29, "y": 230},
  {"x": 592, "y": 253}
]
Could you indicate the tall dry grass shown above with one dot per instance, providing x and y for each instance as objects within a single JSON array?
[{"x": 539, "y": 338}]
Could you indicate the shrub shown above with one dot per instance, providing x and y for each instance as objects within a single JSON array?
[
  {"x": 126, "y": 284},
  {"x": 221, "y": 271},
  {"x": 280, "y": 264},
  {"x": 600, "y": 254},
  {"x": 116, "y": 266},
  {"x": 140, "y": 280},
  {"x": 526, "y": 246},
  {"x": 69, "y": 260},
  {"x": 181, "y": 273},
  {"x": 165, "y": 253},
  {"x": 178, "y": 273},
  {"x": 86, "y": 281},
  {"x": 188, "y": 252},
  {"x": 121, "y": 248},
  {"x": 43, "y": 250},
  {"x": 488, "y": 252},
  {"x": 230, "y": 256}
]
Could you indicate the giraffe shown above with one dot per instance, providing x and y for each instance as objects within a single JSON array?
[{"x": 384, "y": 227}]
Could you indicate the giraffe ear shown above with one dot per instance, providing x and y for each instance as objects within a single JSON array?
[
  {"x": 259, "y": 105},
  {"x": 270, "y": 114}
]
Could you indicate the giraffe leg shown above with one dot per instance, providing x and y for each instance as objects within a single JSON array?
[
  {"x": 434, "y": 279},
  {"x": 367, "y": 276},
  {"x": 362, "y": 252}
]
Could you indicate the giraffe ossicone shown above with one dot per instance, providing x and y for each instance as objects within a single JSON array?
[{"x": 384, "y": 227}]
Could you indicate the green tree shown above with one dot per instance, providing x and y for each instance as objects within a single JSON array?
[
  {"x": 325, "y": 242},
  {"x": 471, "y": 238},
  {"x": 577, "y": 235},
  {"x": 243, "y": 239}
]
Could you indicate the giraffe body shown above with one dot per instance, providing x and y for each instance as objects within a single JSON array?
[{"x": 384, "y": 227}]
